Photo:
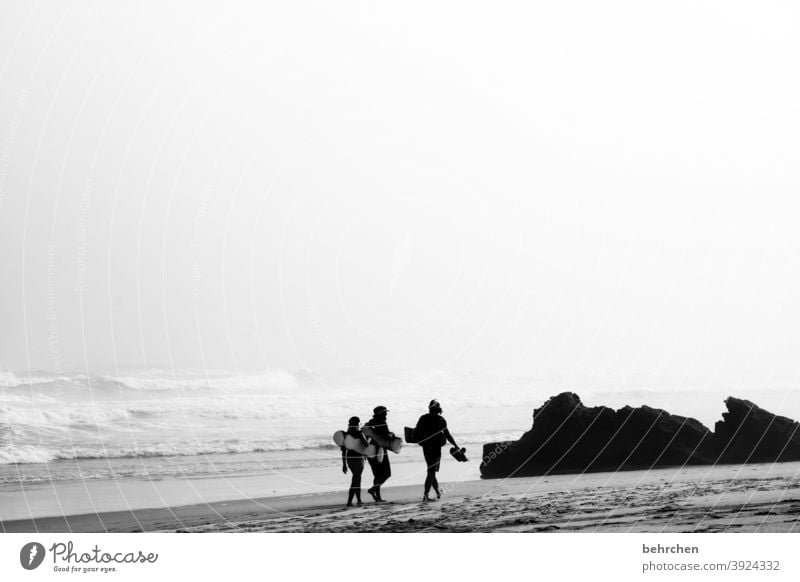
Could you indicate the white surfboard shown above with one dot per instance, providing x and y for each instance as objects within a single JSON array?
[
  {"x": 393, "y": 444},
  {"x": 342, "y": 439}
]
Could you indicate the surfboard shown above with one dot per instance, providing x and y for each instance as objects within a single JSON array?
[
  {"x": 338, "y": 438},
  {"x": 342, "y": 439},
  {"x": 459, "y": 454},
  {"x": 393, "y": 444}
]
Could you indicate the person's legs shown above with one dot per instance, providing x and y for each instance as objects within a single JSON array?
[
  {"x": 387, "y": 467},
  {"x": 383, "y": 471},
  {"x": 386, "y": 472},
  {"x": 429, "y": 477},
  {"x": 435, "y": 471},
  {"x": 376, "y": 481},
  {"x": 380, "y": 471},
  {"x": 351, "y": 492},
  {"x": 373, "y": 465},
  {"x": 432, "y": 457},
  {"x": 355, "y": 486},
  {"x": 356, "y": 469}
]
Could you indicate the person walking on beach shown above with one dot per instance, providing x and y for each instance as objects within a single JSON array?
[
  {"x": 432, "y": 434},
  {"x": 381, "y": 470},
  {"x": 354, "y": 461}
]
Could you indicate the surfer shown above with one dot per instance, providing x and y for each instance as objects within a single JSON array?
[
  {"x": 381, "y": 470},
  {"x": 354, "y": 460},
  {"x": 432, "y": 434}
]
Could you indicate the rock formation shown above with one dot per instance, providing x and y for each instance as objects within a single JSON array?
[
  {"x": 749, "y": 434},
  {"x": 568, "y": 437}
]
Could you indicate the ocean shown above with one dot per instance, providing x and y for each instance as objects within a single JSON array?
[
  {"x": 157, "y": 425},
  {"x": 240, "y": 434}
]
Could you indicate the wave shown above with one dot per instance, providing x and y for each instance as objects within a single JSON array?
[
  {"x": 53, "y": 419},
  {"x": 160, "y": 381},
  {"x": 9, "y": 380},
  {"x": 226, "y": 383},
  {"x": 27, "y": 454},
  {"x": 138, "y": 469},
  {"x": 19, "y": 454},
  {"x": 45, "y": 415},
  {"x": 157, "y": 413}
]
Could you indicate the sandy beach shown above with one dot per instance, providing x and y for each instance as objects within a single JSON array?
[{"x": 734, "y": 498}]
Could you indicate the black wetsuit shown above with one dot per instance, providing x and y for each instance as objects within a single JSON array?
[
  {"x": 432, "y": 434},
  {"x": 383, "y": 470},
  {"x": 355, "y": 462}
]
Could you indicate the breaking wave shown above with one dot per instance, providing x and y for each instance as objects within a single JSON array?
[{"x": 166, "y": 414}]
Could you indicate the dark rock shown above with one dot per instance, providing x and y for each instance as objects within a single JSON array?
[
  {"x": 749, "y": 434},
  {"x": 567, "y": 437}
]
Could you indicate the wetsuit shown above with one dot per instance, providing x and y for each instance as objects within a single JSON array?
[
  {"x": 383, "y": 470},
  {"x": 433, "y": 434},
  {"x": 355, "y": 462}
]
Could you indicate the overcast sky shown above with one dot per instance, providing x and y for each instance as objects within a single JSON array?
[{"x": 546, "y": 187}]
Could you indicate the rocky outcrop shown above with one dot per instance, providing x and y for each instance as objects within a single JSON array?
[
  {"x": 569, "y": 437},
  {"x": 749, "y": 434}
]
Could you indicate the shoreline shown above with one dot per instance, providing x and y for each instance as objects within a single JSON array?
[
  {"x": 198, "y": 514},
  {"x": 697, "y": 499}
]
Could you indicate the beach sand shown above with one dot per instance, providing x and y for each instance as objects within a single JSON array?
[{"x": 737, "y": 498}]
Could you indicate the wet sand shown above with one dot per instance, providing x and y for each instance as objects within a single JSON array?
[{"x": 749, "y": 498}]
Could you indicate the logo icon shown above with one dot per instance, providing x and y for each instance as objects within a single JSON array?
[{"x": 31, "y": 555}]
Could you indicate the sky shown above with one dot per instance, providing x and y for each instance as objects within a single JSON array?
[{"x": 531, "y": 188}]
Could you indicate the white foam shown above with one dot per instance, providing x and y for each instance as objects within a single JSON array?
[
  {"x": 26, "y": 454},
  {"x": 9, "y": 380},
  {"x": 160, "y": 382},
  {"x": 16, "y": 453}
]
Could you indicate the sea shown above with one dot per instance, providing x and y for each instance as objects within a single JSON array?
[{"x": 85, "y": 442}]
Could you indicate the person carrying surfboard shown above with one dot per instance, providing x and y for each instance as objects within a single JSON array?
[
  {"x": 354, "y": 460},
  {"x": 381, "y": 468},
  {"x": 432, "y": 434}
]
